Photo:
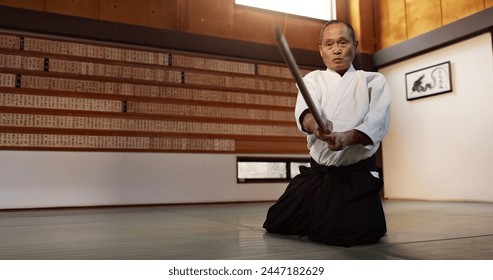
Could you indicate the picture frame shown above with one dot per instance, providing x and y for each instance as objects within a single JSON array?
[{"x": 429, "y": 81}]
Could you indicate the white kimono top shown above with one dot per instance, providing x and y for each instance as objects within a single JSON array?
[{"x": 347, "y": 102}]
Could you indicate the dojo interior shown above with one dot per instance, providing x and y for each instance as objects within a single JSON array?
[{"x": 122, "y": 123}]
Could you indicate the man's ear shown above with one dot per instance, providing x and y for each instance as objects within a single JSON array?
[
  {"x": 356, "y": 44},
  {"x": 320, "y": 50}
]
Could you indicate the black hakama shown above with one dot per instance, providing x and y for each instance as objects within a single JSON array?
[{"x": 332, "y": 205}]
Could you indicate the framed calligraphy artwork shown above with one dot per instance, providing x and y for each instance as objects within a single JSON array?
[{"x": 428, "y": 81}]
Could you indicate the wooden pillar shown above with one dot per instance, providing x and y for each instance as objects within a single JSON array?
[{"x": 361, "y": 16}]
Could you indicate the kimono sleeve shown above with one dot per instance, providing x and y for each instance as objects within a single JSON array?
[
  {"x": 376, "y": 122},
  {"x": 301, "y": 105}
]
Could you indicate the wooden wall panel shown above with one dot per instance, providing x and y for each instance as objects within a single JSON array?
[
  {"x": 395, "y": 20},
  {"x": 457, "y": 31},
  {"x": 251, "y": 23},
  {"x": 65, "y": 94},
  {"x": 163, "y": 14},
  {"x": 228, "y": 20},
  {"x": 301, "y": 33},
  {"x": 124, "y": 11},
  {"x": 38, "y": 5},
  {"x": 219, "y": 18},
  {"x": 79, "y": 8},
  {"x": 422, "y": 16},
  {"x": 391, "y": 24},
  {"x": 453, "y": 10},
  {"x": 207, "y": 19},
  {"x": 400, "y": 20}
]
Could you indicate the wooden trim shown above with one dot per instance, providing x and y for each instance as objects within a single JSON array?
[
  {"x": 279, "y": 146},
  {"x": 90, "y": 29},
  {"x": 446, "y": 35}
]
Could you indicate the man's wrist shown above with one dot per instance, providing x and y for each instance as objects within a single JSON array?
[
  {"x": 308, "y": 122},
  {"x": 356, "y": 137}
]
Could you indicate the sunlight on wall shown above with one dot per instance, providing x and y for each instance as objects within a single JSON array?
[{"x": 319, "y": 9}]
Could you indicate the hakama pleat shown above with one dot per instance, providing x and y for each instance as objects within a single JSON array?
[{"x": 332, "y": 205}]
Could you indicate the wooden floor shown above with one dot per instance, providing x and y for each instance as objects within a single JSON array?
[{"x": 416, "y": 230}]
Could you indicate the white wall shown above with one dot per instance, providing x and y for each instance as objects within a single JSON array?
[
  {"x": 440, "y": 147},
  {"x": 57, "y": 179}
]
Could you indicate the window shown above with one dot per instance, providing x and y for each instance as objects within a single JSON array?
[
  {"x": 258, "y": 169},
  {"x": 319, "y": 9}
]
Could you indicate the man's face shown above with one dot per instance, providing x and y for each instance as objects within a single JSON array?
[{"x": 337, "y": 48}]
